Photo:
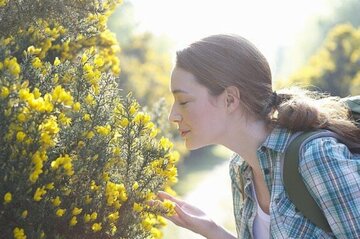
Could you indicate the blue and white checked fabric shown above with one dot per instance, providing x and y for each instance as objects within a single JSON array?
[{"x": 331, "y": 173}]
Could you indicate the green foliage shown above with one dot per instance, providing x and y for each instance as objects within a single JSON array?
[
  {"x": 73, "y": 14},
  {"x": 77, "y": 160},
  {"x": 335, "y": 67}
]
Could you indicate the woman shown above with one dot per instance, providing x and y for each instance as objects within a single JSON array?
[{"x": 223, "y": 95}]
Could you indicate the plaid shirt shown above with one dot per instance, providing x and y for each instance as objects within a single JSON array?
[{"x": 331, "y": 173}]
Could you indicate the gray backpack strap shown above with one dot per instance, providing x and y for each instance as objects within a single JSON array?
[{"x": 294, "y": 184}]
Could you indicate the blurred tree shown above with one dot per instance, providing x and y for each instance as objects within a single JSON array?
[
  {"x": 335, "y": 67},
  {"x": 146, "y": 71},
  {"x": 312, "y": 36},
  {"x": 122, "y": 22},
  {"x": 146, "y": 68},
  {"x": 145, "y": 59}
]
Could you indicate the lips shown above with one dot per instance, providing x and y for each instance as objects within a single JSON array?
[{"x": 183, "y": 132}]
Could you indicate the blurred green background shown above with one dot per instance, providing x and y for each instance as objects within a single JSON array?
[{"x": 323, "y": 53}]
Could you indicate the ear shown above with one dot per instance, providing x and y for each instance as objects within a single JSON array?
[{"x": 232, "y": 98}]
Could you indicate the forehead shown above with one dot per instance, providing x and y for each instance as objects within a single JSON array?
[{"x": 182, "y": 80}]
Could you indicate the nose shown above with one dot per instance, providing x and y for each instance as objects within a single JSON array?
[{"x": 174, "y": 116}]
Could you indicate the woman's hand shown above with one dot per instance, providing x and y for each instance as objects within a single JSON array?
[{"x": 192, "y": 218}]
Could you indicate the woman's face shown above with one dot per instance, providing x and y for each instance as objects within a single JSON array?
[{"x": 199, "y": 115}]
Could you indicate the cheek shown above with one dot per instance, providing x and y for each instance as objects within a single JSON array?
[{"x": 207, "y": 118}]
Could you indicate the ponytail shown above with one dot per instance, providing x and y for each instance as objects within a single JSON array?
[{"x": 303, "y": 110}]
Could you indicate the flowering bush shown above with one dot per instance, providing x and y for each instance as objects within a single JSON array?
[{"x": 76, "y": 159}]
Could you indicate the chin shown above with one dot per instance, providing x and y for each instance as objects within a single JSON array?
[{"x": 193, "y": 146}]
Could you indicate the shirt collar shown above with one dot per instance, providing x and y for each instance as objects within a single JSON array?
[{"x": 277, "y": 140}]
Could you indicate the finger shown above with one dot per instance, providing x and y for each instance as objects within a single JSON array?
[
  {"x": 183, "y": 218},
  {"x": 164, "y": 195},
  {"x": 176, "y": 220},
  {"x": 180, "y": 212},
  {"x": 152, "y": 203}
]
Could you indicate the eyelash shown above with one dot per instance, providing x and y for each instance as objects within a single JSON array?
[{"x": 183, "y": 103}]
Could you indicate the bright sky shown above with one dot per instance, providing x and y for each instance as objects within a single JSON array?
[{"x": 267, "y": 23}]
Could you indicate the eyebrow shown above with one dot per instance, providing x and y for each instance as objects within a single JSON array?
[{"x": 179, "y": 91}]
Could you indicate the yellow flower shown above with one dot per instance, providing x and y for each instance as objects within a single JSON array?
[
  {"x": 103, "y": 130},
  {"x": 96, "y": 227},
  {"x": 87, "y": 218},
  {"x": 169, "y": 206},
  {"x": 77, "y": 106},
  {"x": 60, "y": 212},
  {"x": 174, "y": 157},
  {"x": 13, "y": 66},
  {"x": 93, "y": 216},
  {"x": 106, "y": 177},
  {"x": 113, "y": 229},
  {"x": 90, "y": 135},
  {"x": 162, "y": 220},
  {"x": 56, "y": 202},
  {"x": 73, "y": 221},
  {"x": 135, "y": 186},
  {"x": 50, "y": 186},
  {"x": 154, "y": 132},
  {"x": 36, "y": 62},
  {"x": 39, "y": 193},
  {"x": 61, "y": 96},
  {"x": 137, "y": 207},
  {"x": 81, "y": 144},
  {"x": 124, "y": 122},
  {"x": 3, "y": 3},
  {"x": 76, "y": 211},
  {"x": 133, "y": 109},
  {"x": 113, "y": 216},
  {"x": 36, "y": 93},
  {"x": 24, "y": 214},
  {"x": 21, "y": 117},
  {"x": 57, "y": 61},
  {"x": 19, "y": 233},
  {"x": 33, "y": 50},
  {"x": 50, "y": 125},
  {"x": 7, "y": 197},
  {"x": 165, "y": 143},
  {"x": 86, "y": 117},
  {"x": 84, "y": 58},
  {"x": 20, "y": 136},
  {"x": 156, "y": 233},
  {"x": 141, "y": 118},
  {"x": 116, "y": 151},
  {"x": 4, "y": 92},
  {"x": 89, "y": 99},
  {"x": 88, "y": 199},
  {"x": 99, "y": 61},
  {"x": 56, "y": 78},
  {"x": 147, "y": 224},
  {"x": 64, "y": 120}
]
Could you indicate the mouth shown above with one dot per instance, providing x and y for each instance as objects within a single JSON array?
[{"x": 183, "y": 133}]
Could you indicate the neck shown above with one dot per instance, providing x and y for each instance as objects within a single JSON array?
[{"x": 245, "y": 138}]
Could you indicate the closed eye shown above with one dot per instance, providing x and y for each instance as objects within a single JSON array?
[{"x": 183, "y": 103}]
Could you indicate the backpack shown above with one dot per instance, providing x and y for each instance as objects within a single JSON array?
[{"x": 293, "y": 183}]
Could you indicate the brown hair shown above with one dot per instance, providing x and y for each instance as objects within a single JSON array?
[{"x": 220, "y": 61}]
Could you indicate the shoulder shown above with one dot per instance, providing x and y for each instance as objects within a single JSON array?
[
  {"x": 323, "y": 149},
  {"x": 325, "y": 156}
]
